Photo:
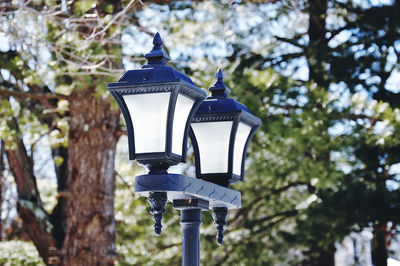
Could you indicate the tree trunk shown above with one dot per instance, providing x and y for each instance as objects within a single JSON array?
[
  {"x": 327, "y": 258},
  {"x": 316, "y": 53},
  {"x": 379, "y": 248},
  {"x": 2, "y": 168},
  {"x": 90, "y": 224},
  {"x": 85, "y": 211},
  {"x": 317, "y": 49},
  {"x": 319, "y": 257}
]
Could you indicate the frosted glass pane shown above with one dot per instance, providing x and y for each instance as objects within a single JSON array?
[
  {"x": 182, "y": 110},
  {"x": 149, "y": 118},
  {"x": 242, "y": 134},
  {"x": 213, "y": 141}
]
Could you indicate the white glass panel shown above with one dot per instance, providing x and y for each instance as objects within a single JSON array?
[
  {"x": 149, "y": 113},
  {"x": 213, "y": 141},
  {"x": 182, "y": 110},
  {"x": 242, "y": 134}
]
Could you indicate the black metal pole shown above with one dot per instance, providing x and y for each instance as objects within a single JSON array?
[{"x": 190, "y": 222}]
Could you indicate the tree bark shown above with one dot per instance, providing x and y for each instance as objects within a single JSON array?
[
  {"x": 317, "y": 52},
  {"x": 317, "y": 49},
  {"x": 29, "y": 206},
  {"x": 90, "y": 224},
  {"x": 379, "y": 248},
  {"x": 319, "y": 257},
  {"x": 327, "y": 258},
  {"x": 81, "y": 229},
  {"x": 59, "y": 215}
]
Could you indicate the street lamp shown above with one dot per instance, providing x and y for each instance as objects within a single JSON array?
[
  {"x": 159, "y": 105},
  {"x": 220, "y": 133}
]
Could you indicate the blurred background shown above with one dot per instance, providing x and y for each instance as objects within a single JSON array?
[{"x": 323, "y": 171}]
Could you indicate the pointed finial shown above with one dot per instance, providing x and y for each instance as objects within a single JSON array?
[
  {"x": 219, "y": 89},
  {"x": 219, "y": 75},
  {"x": 157, "y": 57},
  {"x": 157, "y": 40}
]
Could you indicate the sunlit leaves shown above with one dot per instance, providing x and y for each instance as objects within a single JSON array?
[{"x": 19, "y": 253}]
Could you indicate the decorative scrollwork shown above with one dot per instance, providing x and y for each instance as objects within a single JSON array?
[
  {"x": 157, "y": 202},
  {"x": 219, "y": 214},
  {"x": 129, "y": 89},
  {"x": 214, "y": 117}
]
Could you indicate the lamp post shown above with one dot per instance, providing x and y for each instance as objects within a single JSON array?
[
  {"x": 160, "y": 105},
  {"x": 157, "y": 103}
]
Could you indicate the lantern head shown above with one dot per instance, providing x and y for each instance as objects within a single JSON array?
[
  {"x": 220, "y": 132},
  {"x": 157, "y": 103}
]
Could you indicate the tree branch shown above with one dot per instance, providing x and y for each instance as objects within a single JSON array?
[
  {"x": 245, "y": 210},
  {"x": 114, "y": 19},
  {"x": 262, "y": 228},
  {"x": 294, "y": 184},
  {"x": 290, "y": 41},
  {"x": 270, "y": 217},
  {"x": 32, "y": 95},
  {"x": 30, "y": 208}
]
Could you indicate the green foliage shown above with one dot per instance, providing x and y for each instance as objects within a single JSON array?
[
  {"x": 48, "y": 193},
  {"x": 318, "y": 168},
  {"x": 15, "y": 253},
  {"x": 7, "y": 133},
  {"x": 81, "y": 7}
]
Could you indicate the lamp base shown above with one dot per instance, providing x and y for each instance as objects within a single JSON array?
[
  {"x": 183, "y": 187},
  {"x": 156, "y": 169},
  {"x": 184, "y": 204}
]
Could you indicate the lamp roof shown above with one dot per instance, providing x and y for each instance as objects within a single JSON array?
[
  {"x": 152, "y": 75},
  {"x": 155, "y": 71},
  {"x": 219, "y": 102},
  {"x": 226, "y": 105}
]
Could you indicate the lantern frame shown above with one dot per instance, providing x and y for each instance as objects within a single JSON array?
[
  {"x": 157, "y": 77},
  {"x": 219, "y": 108}
]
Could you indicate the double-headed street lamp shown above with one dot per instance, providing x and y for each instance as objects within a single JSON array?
[{"x": 160, "y": 106}]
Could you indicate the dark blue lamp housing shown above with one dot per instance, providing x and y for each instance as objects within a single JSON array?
[
  {"x": 220, "y": 132},
  {"x": 158, "y": 103}
]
